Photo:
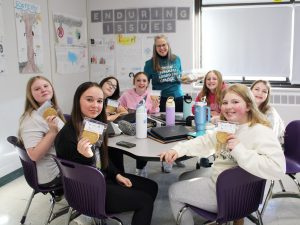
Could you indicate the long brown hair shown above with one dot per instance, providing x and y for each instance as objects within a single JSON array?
[
  {"x": 264, "y": 106},
  {"x": 156, "y": 56},
  {"x": 116, "y": 94},
  {"x": 205, "y": 91},
  {"x": 77, "y": 118}
]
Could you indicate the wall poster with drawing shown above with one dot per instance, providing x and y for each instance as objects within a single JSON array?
[{"x": 29, "y": 37}]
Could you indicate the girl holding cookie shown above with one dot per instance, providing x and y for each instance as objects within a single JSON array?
[
  {"x": 131, "y": 98},
  {"x": 37, "y": 132},
  {"x": 261, "y": 157},
  {"x": 124, "y": 192}
]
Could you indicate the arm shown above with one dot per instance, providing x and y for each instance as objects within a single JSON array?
[
  {"x": 41, "y": 149},
  {"x": 263, "y": 157}
]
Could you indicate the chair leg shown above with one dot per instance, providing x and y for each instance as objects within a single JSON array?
[
  {"x": 52, "y": 201},
  {"x": 117, "y": 220},
  {"x": 69, "y": 216},
  {"x": 259, "y": 219},
  {"x": 282, "y": 187},
  {"x": 295, "y": 180},
  {"x": 27, "y": 207},
  {"x": 268, "y": 197},
  {"x": 180, "y": 213}
]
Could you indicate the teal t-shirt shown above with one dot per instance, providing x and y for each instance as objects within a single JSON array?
[{"x": 167, "y": 80}]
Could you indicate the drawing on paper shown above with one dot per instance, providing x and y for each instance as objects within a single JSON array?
[{"x": 29, "y": 37}]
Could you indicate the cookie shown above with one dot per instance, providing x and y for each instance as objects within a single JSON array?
[
  {"x": 91, "y": 136},
  {"x": 49, "y": 112},
  {"x": 110, "y": 109},
  {"x": 222, "y": 137}
]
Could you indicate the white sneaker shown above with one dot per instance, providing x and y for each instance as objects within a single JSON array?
[
  {"x": 82, "y": 220},
  {"x": 141, "y": 172}
]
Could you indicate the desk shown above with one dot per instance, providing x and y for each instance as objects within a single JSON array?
[{"x": 145, "y": 149}]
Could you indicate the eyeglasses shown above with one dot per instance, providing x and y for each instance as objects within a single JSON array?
[
  {"x": 161, "y": 46},
  {"x": 111, "y": 84}
]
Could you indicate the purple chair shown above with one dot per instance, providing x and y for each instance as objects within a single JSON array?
[
  {"x": 30, "y": 174},
  {"x": 85, "y": 190},
  {"x": 292, "y": 157},
  {"x": 239, "y": 194}
]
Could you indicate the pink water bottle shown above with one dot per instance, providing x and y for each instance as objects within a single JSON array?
[{"x": 170, "y": 111}]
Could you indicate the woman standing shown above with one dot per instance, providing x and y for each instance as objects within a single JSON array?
[{"x": 123, "y": 193}]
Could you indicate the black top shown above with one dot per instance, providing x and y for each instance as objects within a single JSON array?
[{"x": 66, "y": 148}]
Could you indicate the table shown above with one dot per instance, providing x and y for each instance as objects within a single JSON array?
[{"x": 145, "y": 149}]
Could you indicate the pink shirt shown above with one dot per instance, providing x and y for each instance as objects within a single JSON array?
[{"x": 130, "y": 99}]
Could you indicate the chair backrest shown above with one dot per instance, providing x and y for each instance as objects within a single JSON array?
[
  {"x": 29, "y": 166},
  {"x": 239, "y": 193},
  {"x": 292, "y": 141},
  {"x": 84, "y": 188},
  {"x": 67, "y": 117}
]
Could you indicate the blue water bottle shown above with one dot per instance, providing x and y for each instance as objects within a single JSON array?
[
  {"x": 202, "y": 116},
  {"x": 187, "y": 106}
]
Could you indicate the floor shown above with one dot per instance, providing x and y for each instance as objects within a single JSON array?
[{"x": 14, "y": 196}]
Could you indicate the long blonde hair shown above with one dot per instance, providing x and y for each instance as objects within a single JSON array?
[
  {"x": 264, "y": 106},
  {"x": 31, "y": 104},
  {"x": 254, "y": 114}
]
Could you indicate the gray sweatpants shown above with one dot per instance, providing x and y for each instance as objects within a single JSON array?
[{"x": 199, "y": 192}]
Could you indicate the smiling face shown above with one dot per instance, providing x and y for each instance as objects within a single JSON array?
[
  {"x": 162, "y": 47},
  {"x": 41, "y": 91},
  {"x": 260, "y": 92},
  {"x": 141, "y": 83},
  {"x": 234, "y": 108},
  {"x": 91, "y": 102},
  {"x": 211, "y": 81},
  {"x": 109, "y": 87}
]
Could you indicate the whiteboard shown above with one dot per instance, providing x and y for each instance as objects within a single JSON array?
[
  {"x": 247, "y": 41},
  {"x": 295, "y": 79},
  {"x": 125, "y": 53}
]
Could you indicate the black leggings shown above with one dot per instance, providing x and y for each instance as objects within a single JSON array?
[
  {"x": 116, "y": 157},
  {"x": 139, "y": 198}
]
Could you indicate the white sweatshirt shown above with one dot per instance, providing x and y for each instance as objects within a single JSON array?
[{"x": 259, "y": 152}]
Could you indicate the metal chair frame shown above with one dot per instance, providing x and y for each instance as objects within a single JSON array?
[{"x": 30, "y": 174}]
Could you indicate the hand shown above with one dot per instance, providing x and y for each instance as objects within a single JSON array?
[
  {"x": 52, "y": 123},
  {"x": 121, "y": 110},
  {"x": 155, "y": 103},
  {"x": 123, "y": 180},
  {"x": 190, "y": 78},
  {"x": 84, "y": 148},
  {"x": 232, "y": 141},
  {"x": 169, "y": 156}
]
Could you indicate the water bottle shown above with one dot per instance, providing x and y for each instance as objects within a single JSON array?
[
  {"x": 187, "y": 106},
  {"x": 202, "y": 115},
  {"x": 141, "y": 120},
  {"x": 170, "y": 112}
]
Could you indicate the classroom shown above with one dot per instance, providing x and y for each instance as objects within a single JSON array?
[{"x": 75, "y": 41}]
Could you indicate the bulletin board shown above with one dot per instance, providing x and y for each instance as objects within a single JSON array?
[
  {"x": 121, "y": 35},
  {"x": 295, "y": 79}
]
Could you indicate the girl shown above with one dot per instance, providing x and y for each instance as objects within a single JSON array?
[
  {"x": 131, "y": 98},
  {"x": 111, "y": 90},
  {"x": 262, "y": 157},
  {"x": 261, "y": 90},
  {"x": 164, "y": 69},
  {"x": 124, "y": 193},
  {"x": 37, "y": 133},
  {"x": 212, "y": 90}
]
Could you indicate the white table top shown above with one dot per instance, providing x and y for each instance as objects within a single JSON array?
[{"x": 145, "y": 148}]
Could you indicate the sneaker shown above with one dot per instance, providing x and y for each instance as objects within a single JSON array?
[
  {"x": 180, "y": 164},
  {"x": 141, "y": 172},
  {"x": 82, "y": 220},
  {"x": 168, "y": 168}
]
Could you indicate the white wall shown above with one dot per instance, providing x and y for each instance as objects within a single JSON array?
[{"x": 12, "y": 84}]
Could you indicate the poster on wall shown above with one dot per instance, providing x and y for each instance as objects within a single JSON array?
[
  {"x": 102, "y": 53},
  {"x": 70, "y": 30},
  {"x": 71, "y": 59},
  {"x": 29, "y": 37},
  {"x": 2, "y": 50}
]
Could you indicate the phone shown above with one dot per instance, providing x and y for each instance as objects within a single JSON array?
[{"x": 126, "y": 144}]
